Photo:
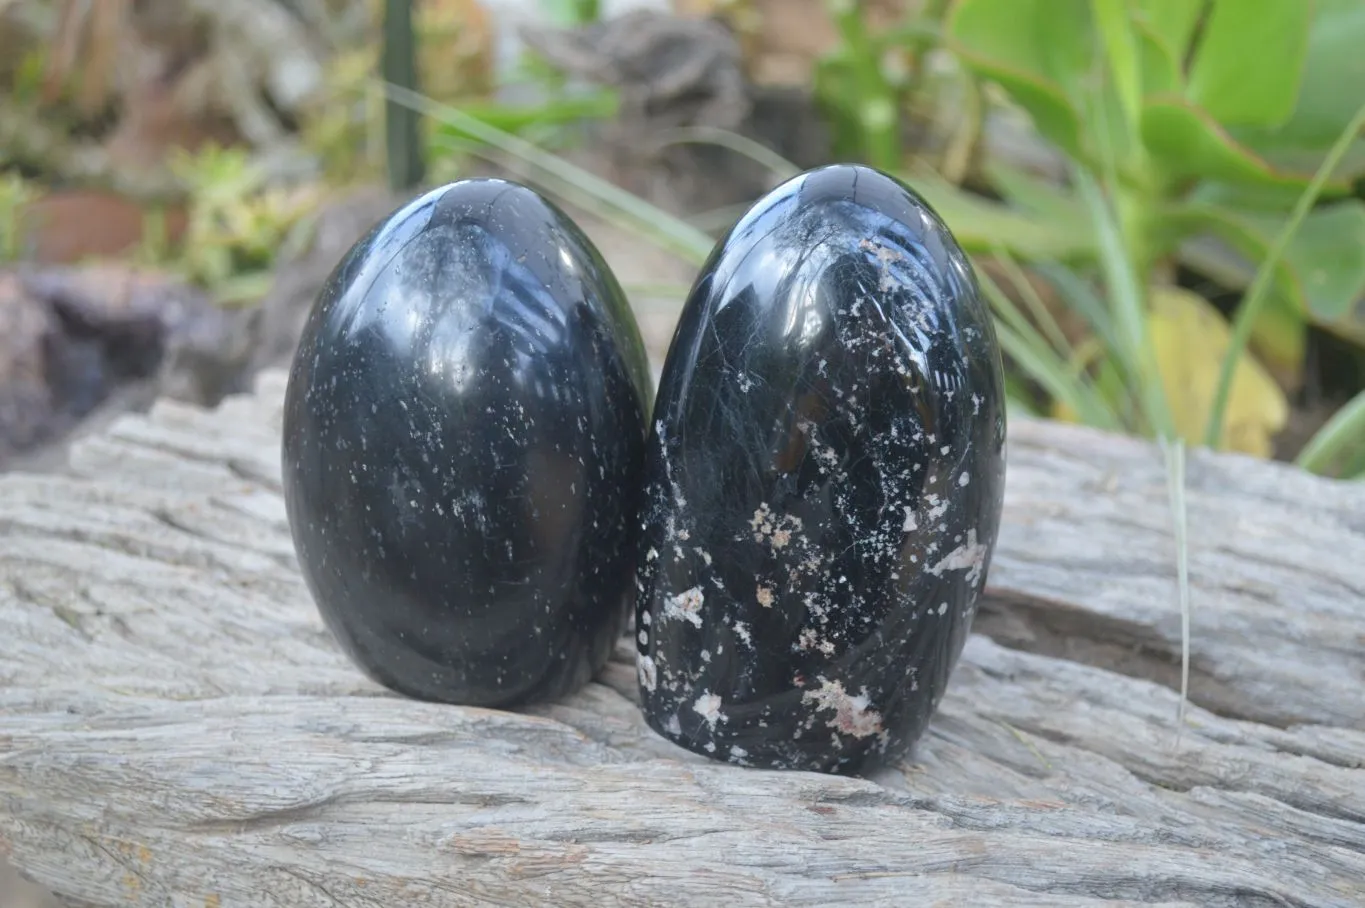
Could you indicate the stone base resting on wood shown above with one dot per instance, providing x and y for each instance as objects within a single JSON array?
[{"x": 177, "y": 728}]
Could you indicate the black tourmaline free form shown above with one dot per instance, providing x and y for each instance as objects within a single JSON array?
[
  {"x": 824, "y": 480},
  {"x": 463, "y": 446}
]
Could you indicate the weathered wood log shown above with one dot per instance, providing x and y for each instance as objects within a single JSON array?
[{"x": 177, "y": 728}]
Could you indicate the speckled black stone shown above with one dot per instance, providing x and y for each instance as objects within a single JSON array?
[
  {"x": 825, "y": 473},
  {"x": 463, "y": 445}
]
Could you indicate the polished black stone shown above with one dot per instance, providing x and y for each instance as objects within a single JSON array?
[
  {"x": 463, "y": 446},
  {"x": 825, "y": 473}
]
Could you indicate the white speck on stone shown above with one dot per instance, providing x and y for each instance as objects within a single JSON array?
[
  {"x": 648, "y": 671},
  {"x": 765, "y": 597},
  {"x": 970, "y": 556},
  {"x": 910, "y": 524},
  {"x": 686, "y": 606},
  {"x": 778, "y": 532},
  {"x": 673, "y": 726},
  {"x": 742, "y": 631},
  {"x": 708, "y": 705},
  {"x": 942, "y": 608},
  {"x": 937, "y": 508},
  {"x": 964, "y": 479}
]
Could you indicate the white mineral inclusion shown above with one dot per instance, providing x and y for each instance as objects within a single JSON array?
[
  {"x": 686, "y": 606},
  {"x": 910, "y": 524},
  {"x": 970, "y": 556},
  {"x": 852, "y": 714},
  {"x": 777, "y": 532},
  {"x": 649, "y": 674},
  {"x": 707, "y": 705}
]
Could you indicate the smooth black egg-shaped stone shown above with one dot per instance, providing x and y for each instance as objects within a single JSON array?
[
  {"x": 824, "y": 479},
  {"x": 463, "y": 447}
]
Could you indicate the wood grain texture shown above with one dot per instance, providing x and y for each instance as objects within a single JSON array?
[{"x": 176, "y": 727}]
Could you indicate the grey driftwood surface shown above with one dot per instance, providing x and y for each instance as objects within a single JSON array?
[{"x": 176, "y": 727}]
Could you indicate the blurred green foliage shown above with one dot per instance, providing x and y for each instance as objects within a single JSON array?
[
  {"x": 237, "y": 226},
  {"x": 1180, "y": 121},
  {"x": 15, "y": 193}
]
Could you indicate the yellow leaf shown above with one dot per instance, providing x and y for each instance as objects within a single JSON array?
[
  {"x": 1062, "y": 412},
  {"x": 1190, "y": 337}
]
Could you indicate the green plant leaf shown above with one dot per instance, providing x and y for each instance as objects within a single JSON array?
[
  {"x": 1160, "y": 65},
  {"x": 1326, "y": 257},
  {"x": 1172, "y": 22},
  {"x": 1035, "y": 195},
  {"x": 1333, "y": 85},
  {"x": 571, "y": 12},
  {"x": 875, "y": 105},
  {"x": 1322, "y": 273},
  {"x": 1037, "y": 50},
  {"x": 1305, "y": 159},
  {"x": 1270, "y": 198},
  {"x": 1333, "y": 88},
  {"x": 1120, "y": 44},
  {"x": 1255, "y": 299},
  {"x": 1186, "y": 143},
  {"x": 981, "y": 225},
  {"x": 1230, "y": 77}
]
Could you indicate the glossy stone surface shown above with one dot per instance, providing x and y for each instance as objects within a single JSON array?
[
  {"x": 825, "y": 474},
  {"x": 463, "y": 444}
]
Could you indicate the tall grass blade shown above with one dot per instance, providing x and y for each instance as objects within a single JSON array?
[
  {"x": 1341, "y": 438},
  {"x": 1022, "y": 343},
  {"x": 740, "y": 144},
  {"x": 1047, "y": 322},
  {"x": 1174, "y": 451},
  {"x": 568, "y": 180},
  {"x": 1127, "y": 296},
  {"x": 1079, "y": 297},
  {"x": 1174, "y": 454}
]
